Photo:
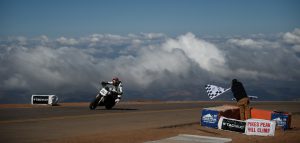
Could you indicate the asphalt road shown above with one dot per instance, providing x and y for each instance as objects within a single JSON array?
[
  {"x": 46, "y": 123},
  {"x": 39, "y": 123}
]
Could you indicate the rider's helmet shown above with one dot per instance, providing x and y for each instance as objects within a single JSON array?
[{"x": 116, "y": 81}]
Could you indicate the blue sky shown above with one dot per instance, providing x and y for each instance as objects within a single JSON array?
[
  {"x": 161, "y": 49},
  {"x": 206, "y": 17}
]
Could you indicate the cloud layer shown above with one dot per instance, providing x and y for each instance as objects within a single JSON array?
[{"x": 151, "y": 65}]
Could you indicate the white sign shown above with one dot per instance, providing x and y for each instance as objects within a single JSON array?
[
  {"x": 260, "y": 127},
  {"x": 103, "y": 91},
  {"x": 44, "y": 99}
]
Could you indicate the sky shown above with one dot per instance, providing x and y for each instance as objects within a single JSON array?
[
  {"x": 79, "y": 18},
  {"x": 161, "y": 50}
]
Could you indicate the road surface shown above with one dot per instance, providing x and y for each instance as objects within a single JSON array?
[{"x": 127, "y": 122}]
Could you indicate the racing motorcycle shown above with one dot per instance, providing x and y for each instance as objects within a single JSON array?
[{"x": 105, "y": 97}]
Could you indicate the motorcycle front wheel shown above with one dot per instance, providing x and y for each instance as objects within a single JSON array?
[{"x": 94, "y": 103}]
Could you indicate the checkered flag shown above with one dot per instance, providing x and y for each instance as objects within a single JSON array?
[{"x": 214, "y": 91}]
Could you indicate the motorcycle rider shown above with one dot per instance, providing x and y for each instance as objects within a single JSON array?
[{"x": 116, "y": 89}]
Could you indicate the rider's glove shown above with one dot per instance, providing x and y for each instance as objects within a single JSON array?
[
  {"x": 117, "y": 100},
  {"x": 103, "y": 83}
]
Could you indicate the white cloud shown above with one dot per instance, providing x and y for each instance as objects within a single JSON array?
[
  {"x": 155, "y": 61},
  {"x": 153, "y": 35},
  {"x": 16, "y": 81},
  {"x": 292, "y": 37},
  {"x": 142, "y": 61},
  {"x": 59, "y": 66},
  {"x": 154, "y": 64},
  {"x": 250, "y": 43},
  {"x": 44, "y": 38},
  {"x": 205, "y": 54},
  {"x": 66, "y": 41},
  {"x": 296, "y": 48},
  {"x": 245, "y": 43},
  {"x": 256, "y": 74},
  {"x": 21, "y": 40},
  {"x": 262, "y": 58}
]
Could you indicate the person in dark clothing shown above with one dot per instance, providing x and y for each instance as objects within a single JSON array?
[{"x": 242, "y": 99}]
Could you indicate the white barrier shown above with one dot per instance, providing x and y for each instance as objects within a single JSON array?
[
  {"x": 44, "y": 99},
  {"x": 260, "y": 127}
]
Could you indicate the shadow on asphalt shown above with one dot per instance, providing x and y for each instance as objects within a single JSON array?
[{"x": 129, "y": 109}]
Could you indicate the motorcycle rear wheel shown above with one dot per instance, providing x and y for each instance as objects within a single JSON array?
[
  {"x": 108, "y": 107},
  {"x": 110, "y": 102}
]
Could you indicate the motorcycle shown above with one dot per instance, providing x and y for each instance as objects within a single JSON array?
[{"x": 106, "y": 97}]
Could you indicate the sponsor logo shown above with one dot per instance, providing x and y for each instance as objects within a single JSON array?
[
  {"x": 40, "y": 99},
  {"x": 280, "y": 121},
  {"x": 233, "y": 125},
  {"x": 242, "y": 127},
  {"x": 209, "y": 118}
]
